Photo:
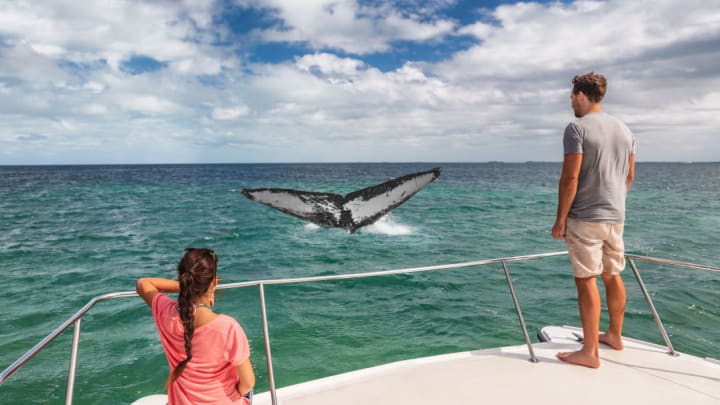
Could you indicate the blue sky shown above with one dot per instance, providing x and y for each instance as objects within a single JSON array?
[{"x": 347, "y": 80}]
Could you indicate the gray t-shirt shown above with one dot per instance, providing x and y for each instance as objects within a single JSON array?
[{"x": 606, "y": 144}]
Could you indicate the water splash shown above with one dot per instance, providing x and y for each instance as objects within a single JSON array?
[{"x": 387, "y": 226}]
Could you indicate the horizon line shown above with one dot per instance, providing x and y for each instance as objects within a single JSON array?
[{"x": 322, "y": 163}]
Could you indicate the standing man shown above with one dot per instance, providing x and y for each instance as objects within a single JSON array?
[{"x": 597, "y": 173}]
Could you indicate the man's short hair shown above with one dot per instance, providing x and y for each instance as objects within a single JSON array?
[{"x": 593, "y": 85}]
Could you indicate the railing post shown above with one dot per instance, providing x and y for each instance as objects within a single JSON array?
[
  {"x": 268, "y": 354},
  {"x": 659, "y": 323},
  {"x": 73, "y": 363},
  {"x": 532, "y": 359}
]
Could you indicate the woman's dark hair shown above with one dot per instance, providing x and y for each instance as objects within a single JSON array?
[
  {"x": 196, "y": 272},
  {"x": 593, "y": 85}
]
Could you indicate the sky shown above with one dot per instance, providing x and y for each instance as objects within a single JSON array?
[{"x": 249, "y": 81}]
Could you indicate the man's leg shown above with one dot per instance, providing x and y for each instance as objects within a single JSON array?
[
  {"x": 589, "y": 305},
  {"x": 616, "y": 298},
  {"x": 613, "y": 264}
]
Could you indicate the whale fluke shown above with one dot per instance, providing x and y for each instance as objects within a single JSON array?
[{"x": 350, "y": 212}]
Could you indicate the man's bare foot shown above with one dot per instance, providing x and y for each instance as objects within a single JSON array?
[
  {"x": 613, "y": 341},
  {"x": 580, "y": 358}
]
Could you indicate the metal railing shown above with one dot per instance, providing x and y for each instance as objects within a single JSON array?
[
  {"x": 77, "y": 317},
  {"x": 661, "y": 327}
]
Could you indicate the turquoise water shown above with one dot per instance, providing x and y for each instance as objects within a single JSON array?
[{"x": 68, "y": 234}]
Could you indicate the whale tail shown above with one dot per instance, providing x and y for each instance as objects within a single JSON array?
[{"x": 352, "y": 211}]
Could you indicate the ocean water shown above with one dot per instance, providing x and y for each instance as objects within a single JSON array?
[{"x": 68, "y": 234}]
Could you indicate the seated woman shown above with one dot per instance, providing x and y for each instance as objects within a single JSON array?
[{"x": 208, "y": 353}]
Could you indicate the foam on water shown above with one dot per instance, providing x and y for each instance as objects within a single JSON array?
[
  {"x": 386, "y": 226},
  {"x": 311, "y": 227},
  {"x": 383, "y": 226}
]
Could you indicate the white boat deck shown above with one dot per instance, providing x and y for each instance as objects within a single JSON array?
[{"x": 642, "y": 373}]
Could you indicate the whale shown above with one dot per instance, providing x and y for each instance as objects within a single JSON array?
[{"x": 351, "y": 211}]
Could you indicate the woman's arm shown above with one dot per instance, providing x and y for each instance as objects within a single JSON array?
[
  {"x": 246, "y": 377},
  {"x": 148, "y": 287}
]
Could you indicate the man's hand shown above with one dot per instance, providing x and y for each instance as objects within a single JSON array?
[{"x": 558, "y": 230}]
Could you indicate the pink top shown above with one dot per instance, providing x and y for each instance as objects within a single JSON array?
[{"x": 217, "y": 347}]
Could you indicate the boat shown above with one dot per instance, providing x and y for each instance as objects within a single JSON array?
[{"x": 642, "y": 373}]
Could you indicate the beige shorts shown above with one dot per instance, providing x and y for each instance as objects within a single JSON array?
[{"x": 595, "y": 248}]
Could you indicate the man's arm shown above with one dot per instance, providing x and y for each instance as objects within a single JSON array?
[
  {"x": 148, "y": 287},
  {"x": 631, "y": 172},
  {"x": 566, "y": 192}
]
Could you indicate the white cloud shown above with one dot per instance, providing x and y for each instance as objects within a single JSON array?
[
  {"x": 347, "y": 25},
  {"x": 95, "y": 109},
  {"x": 52, "y": 51},
  {"x": 504, "y": 97},
  {"x": 329, "y": 64},
  {"x": 533, "y": 37},
  {"x": 149, "y": 104},
  {"x": 480, "y": 30},
  {"x": 230, "y": 113},
  {"x": 94, "y": 87},
  {"x": 113, "y": 31},
  {"x": 66, "y": 124}
]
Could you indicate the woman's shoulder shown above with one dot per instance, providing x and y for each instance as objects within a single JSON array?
[
  {"x": 227, "y": 321},
  {"x": 226, "y": 325}
]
